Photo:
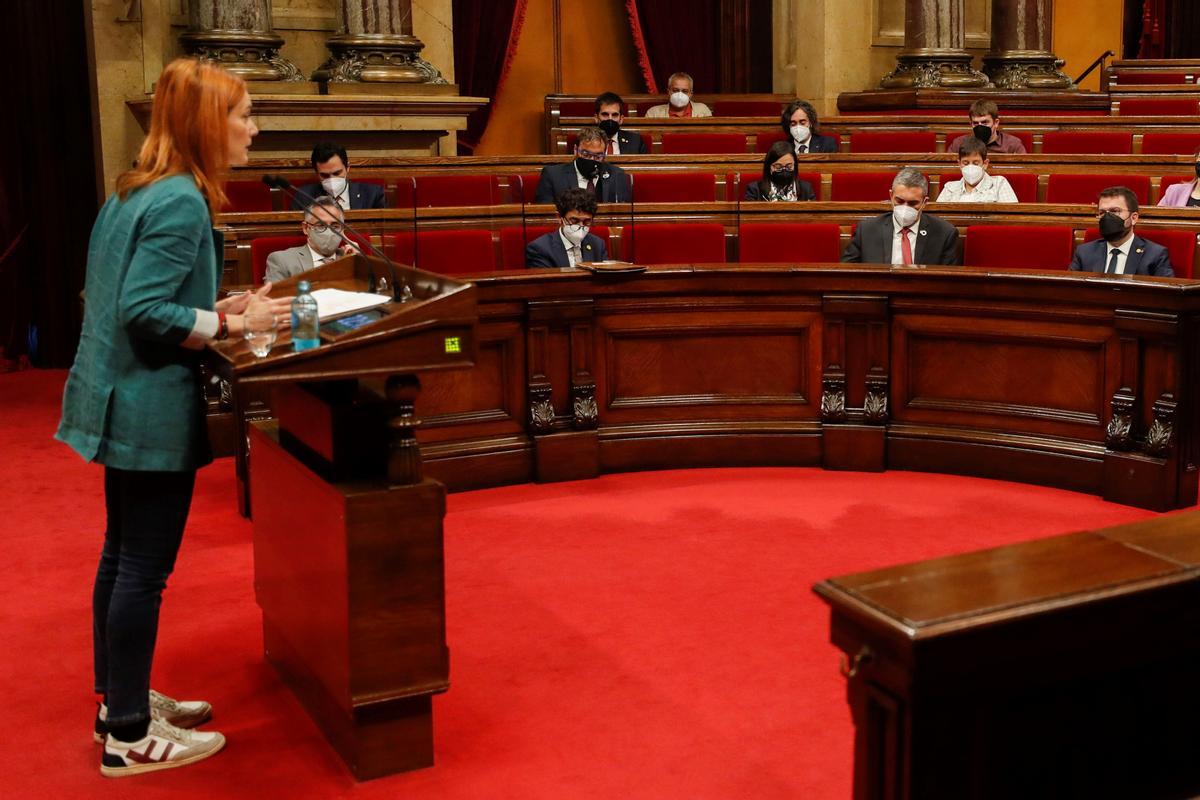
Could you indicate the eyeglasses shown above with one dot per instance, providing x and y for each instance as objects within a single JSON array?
[
  {"x": 321, "y": 227},
  {"x": 1120, "y": 212},
  {"x": 589, "y": 155},
  {"x": 777, "y": 167},
  {"x": 573, "y": 220}
]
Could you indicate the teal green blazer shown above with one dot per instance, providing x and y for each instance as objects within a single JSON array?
[{"x": 133, "y": 398}]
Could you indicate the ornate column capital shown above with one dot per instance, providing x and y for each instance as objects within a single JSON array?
[
  {"x": 375, "y": 44},
  {"x": 933, "y": 56},
  {"x": 238, "y": 35},
  {"x": 1020, "y": 56}
]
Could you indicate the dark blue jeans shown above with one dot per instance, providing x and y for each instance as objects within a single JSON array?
[{"x": 146, "y": 514}]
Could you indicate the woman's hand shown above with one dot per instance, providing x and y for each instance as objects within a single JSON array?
[{"x": 236, "y": 306}]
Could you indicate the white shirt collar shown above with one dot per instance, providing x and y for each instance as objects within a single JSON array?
[
  {"x": 915, "y": 227},
  {"x": 1125, "y": 248},
  {"x": 567, "y": 242},
  {"x": 316, "y": 257}
]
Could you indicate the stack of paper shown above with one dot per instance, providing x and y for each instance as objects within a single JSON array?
[{"x": 336, "y": 302}]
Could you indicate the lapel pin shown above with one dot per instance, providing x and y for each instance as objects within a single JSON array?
[
  {"x": 1140, "y": 250},
  {"x": 923, "y": 231}
]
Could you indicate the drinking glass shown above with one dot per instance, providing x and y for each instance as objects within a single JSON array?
[{"x": 260, "y": 332}]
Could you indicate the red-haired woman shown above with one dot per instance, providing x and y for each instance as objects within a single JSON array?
[{"x": 133, "y": 398}]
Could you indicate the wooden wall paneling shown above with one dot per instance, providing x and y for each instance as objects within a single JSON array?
[
  {"x": 562, "y": 407},
  {"x": 854, "y": 381}
]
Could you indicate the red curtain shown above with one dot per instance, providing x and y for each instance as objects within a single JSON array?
[
  {"x": 1151, "y": 44},
  {"x": 677, "y": 36},
  {"x": 481, "y": 58}
]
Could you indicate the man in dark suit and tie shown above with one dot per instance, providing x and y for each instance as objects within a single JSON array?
[
  {"x": 571, "y": 243},
  {"x": 1119, "y": 251},
  {"x": 610, "y": 115},
  {"x": 332, "y": 166},
  {"x": 906, "y": 235},
  {"x": 587, "y": 170}
]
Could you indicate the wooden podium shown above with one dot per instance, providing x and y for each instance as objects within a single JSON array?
[{"x": 348, "y": 557}]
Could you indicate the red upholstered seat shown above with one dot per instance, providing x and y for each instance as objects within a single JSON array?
[
  {"x": 577, "y": 108},
  {"x": 263, "y": 246},
  {"x": 1086, "y": 188},
  {"x": 1024, "y": 184},
  {"x": 861, "y": 186},
  {"x": 1181, "y": 246},
  {"x": 1019, "y": 246},
  {"x": 526, "y": 186},
  {"x": 789, "y": 243},
  {"x": 454, "y": 252},
  {"x": 764, "y": 139},
  {"x": 247, "y": 196},
  {"x": 1179, "y": 144},
  {"x": 746, "y": 108},
  {"x": 1026, "y": 138},
  {"x": 1171, "y": 180},
  {"x": 1087, "y": 142},
  {"x": 439, "y": 191},
  {"x": 683, "y": 243},
  {"x": 1157, "y": 107},
  {"x": 686, "y": 143},
  {"x": 1143, "y": 78},
  {"x": 893, "y": 142},
  {"x": 674, "y": 187},
  {"x": 514, "y": 239}
]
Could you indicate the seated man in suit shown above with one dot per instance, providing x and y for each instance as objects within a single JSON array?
[
  {"x": 1120, "y": 251},
  {"x": 679, "y": 100},
  {"x": 803, "y": 129},
  {"x": 588, "y": 171},
  {"x": 610, "y": 113},
  {"x": 332, "y": 166},
  {"x": 322, "y": 226},
  {"x": 906, "y": 235},
  {"x": 985, "y": 126},
  {"x": 571, "y": 243}
]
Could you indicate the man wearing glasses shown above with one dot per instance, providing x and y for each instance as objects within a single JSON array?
[
  {"x": 572, "y": 242},
  {"x": 1119, "y": 251},
  {"x": 587, "y": 170},
  {"x": 322, "y": 226}
]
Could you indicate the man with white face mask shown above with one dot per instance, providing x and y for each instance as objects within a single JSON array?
[
  {"x": 801, "y": 127},
  {"x": 322, "y": 227},
  {"x": 976, "y": 186},
  {"x": 906, "y": 235},
  {"x": 332, "y": 166},
  {"x": 679, "y": 100},
  {"x": 573, "y": 241}
]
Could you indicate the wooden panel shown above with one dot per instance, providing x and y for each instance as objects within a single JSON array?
[
  {"x": 686, "y": 365},
  {"x": 994, "y": 373}
]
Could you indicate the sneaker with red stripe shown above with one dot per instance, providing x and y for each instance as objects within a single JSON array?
[
  {"x": 163, "y": 747},
  {"x": 180, "y": 713}
]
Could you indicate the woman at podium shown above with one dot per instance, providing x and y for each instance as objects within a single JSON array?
[{"x": 133, "y": 399}]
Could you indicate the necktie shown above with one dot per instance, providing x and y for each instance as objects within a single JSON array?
[
  {"x": 610, "y": 147},
  {"x": 1112, "y": 263},
  {"x": 802, "y": 148},
  {"x": 905, "y": 246},
  {"x": 592, "y": 185}
]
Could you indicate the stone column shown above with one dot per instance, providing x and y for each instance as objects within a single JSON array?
[
  {"x": 238, "y": 35},
  {"x": 375, "y": 44},
  {"x": 1020, "y": 56},
  {"x": 933, "y": 55}
]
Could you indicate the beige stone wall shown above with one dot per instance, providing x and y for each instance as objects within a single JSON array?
[
  {"x": 819, "y": 44},
  {"x": 131, "y": 53}
]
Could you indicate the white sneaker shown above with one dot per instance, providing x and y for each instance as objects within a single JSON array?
[
  {"x": 180, "y": 713},
  {"x": 163, "y": 747}
]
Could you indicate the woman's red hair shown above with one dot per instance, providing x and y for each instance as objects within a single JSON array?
[{"x": 189, "y": 129}]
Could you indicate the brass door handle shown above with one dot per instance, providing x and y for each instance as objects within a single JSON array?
[{"x": 850, "y": 670}]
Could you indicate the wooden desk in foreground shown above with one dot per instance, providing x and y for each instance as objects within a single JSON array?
[{"x": 1059, "y": 668}]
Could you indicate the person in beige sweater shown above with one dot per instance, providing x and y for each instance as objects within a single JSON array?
[{"x": 679, "y": 100}]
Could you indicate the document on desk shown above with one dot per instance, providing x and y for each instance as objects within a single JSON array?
[{"x": 337, "y": 302}]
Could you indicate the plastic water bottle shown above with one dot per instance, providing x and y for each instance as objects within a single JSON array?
[{"x": 305, "y": 322}]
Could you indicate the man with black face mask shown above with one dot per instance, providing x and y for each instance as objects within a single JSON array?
[
  {"x": 588, "y": 171},
  {"x": 610, "y": 114},
  {"x": 985, "y": 126},
  {"x": 1119, "y": 251}
]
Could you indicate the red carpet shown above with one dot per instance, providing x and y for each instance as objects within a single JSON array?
[{"x": 649, "y": 635}]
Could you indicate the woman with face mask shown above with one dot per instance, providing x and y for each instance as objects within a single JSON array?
[
  {"x": 1184, "y": 195},
  {"x": 976, "y": 186},
  {"x": 802, "y": 128},
  {"x": 779, "y": 181}
]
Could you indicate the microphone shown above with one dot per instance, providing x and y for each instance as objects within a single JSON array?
[
  {"x": 737, "y": 196},
  {"x": 283, "y": 184},
  {"x": 413, "y": 178},
  {"x": 524, "y": 226},
  {"x": 632, "y": 221}
]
